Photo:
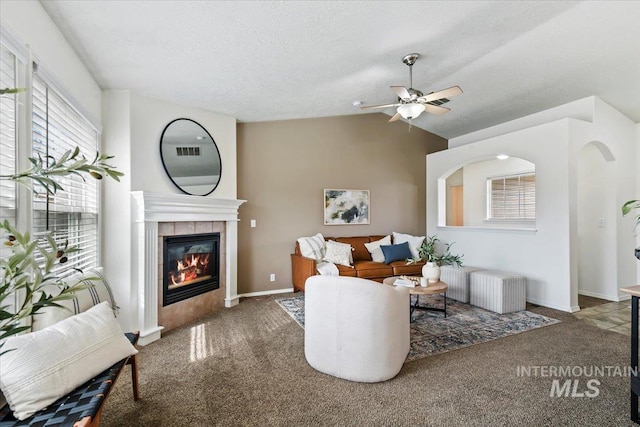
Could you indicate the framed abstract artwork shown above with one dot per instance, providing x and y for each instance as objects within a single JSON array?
[{"x": 344, "y": 207}]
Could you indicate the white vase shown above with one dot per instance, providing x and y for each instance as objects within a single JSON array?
[{"x": 431, "y": 271}]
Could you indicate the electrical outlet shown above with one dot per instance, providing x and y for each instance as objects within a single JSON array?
[
  {"x": 253, "y": 223},
  {"x": 272, "y": 277}
]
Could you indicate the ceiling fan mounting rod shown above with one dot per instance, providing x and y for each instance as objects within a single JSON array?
[
  {"x": 410, "y": 59},
  {"x": 410, "y": 76}
]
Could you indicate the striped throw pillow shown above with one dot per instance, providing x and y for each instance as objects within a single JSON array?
[{"x": 312, "y": 247}]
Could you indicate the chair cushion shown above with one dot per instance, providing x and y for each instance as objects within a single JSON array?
[
  {"x": 371, "y": 269},
  {"x": 347, "y": 271},
  {"x": 39, "y": 367}
]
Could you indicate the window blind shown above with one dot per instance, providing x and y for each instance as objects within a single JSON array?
[
  {"x": 70, "y": 215},
  {"x": 8, "y": 139},
  {"x": 512, "y": 197}
]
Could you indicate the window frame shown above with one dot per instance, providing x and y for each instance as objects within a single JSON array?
[
  {"x": 22, "y": 140},
  {"x": 57, "y": 126},
  {"x": 522, "y": 205}
]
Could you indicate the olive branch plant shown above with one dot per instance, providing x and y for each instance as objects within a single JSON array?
[
  {"x": 29, "y": 283},
  {"x": 629, "y": 206}
]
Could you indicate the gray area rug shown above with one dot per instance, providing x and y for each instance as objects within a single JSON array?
[
  {"x": 465, "y": 325},
  {"x": 245, "y": 366}
]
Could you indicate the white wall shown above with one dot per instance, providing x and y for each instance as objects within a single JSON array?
[
  {"x": 116, "y": 251},
  {"x": 133, "y": 125},
  {"x": 475, "y": 189},
  {"x": 149, "y": 118},
  {"x": 595, "y": 214},
  {"x": 28, "y": 20},
  {"x": 615, "y": 136},
  {"x": 549, "y": 257},
  {"x": 542, "y": 255},
  {"x": 637, "y": 194}
]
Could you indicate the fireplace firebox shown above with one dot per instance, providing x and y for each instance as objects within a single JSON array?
[{"x": 191, "y": 266}]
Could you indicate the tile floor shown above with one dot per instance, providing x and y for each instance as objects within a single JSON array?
[{"x": 614, "y": 316}]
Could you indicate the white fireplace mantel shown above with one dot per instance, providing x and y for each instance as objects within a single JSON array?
[{"x": 152, "y": 208}]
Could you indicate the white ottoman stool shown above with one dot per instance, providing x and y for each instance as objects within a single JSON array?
[
  {"x": 457, "y": 280},
  {"x": 498, "y": 291}
]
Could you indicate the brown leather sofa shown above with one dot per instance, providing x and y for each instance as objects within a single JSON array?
[{"x": 363, "y": 266}]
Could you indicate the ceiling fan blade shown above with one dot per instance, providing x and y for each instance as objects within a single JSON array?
[
  {"x": 401, "y": 91},
  {"x": 379, "y": 106},
  {"x": 445, "y": 93},
  {"x": 436, "y": 109},
  {"x": 396, "y": 116}
]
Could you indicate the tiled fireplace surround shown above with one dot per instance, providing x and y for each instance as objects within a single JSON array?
[
  {"x": 182, "y": 312},
  {"x": 158, "y": 215}
]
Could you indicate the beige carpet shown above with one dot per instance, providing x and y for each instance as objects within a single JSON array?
[{"x": 246, "y": 366}]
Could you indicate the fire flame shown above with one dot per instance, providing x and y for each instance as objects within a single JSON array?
[{"x": 189, "y": 268}]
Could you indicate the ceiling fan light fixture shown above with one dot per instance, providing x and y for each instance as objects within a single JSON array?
[{"x": 410, "y": 111}]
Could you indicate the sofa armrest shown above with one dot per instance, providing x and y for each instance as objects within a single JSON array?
[{"x": 301, "y": 269}]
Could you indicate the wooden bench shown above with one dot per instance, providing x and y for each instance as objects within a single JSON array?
[{"x": 83, "y": 406}]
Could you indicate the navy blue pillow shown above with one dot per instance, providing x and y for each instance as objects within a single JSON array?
[{"x": 396, "y": 252}]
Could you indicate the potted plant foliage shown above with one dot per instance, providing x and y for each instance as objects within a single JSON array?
[
  {"x": 434, "y": 260},
  {"x": 24, "y": 282},
  {"x": 626, "y": 209}
]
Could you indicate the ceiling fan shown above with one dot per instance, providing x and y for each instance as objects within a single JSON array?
[{"x": 411, "y": 102}]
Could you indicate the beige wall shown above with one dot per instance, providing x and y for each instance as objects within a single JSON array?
[{"x": 284, "y": 166}]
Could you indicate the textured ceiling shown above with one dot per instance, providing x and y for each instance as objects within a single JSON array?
[{"x": 274, "y": 60}]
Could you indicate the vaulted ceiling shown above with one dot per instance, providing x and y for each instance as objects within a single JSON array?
[{"x": 275, "y": 60}]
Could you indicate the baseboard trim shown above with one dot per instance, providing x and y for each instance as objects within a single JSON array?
[
  {"x": 565, "y": 308},
  {"x": 263, "y": 293},
  {"x": 597, "y": 295}
]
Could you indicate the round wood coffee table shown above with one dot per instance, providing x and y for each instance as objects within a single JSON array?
[{"x": 437, "y": 288}]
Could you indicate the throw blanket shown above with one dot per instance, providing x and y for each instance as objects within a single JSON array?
[{"x": 327, "y": 269}]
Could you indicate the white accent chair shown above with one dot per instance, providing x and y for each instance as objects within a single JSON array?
[{"x": 356, "y": 329}]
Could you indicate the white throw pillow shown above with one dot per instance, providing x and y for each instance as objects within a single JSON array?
[
  {"x": 414, "y": 242},
  {"x": 338, "y": 253},
  {"x": 45, "y": 365},
  {"x": 374, "y": 248},
  {"x": 312, "y": 247}
]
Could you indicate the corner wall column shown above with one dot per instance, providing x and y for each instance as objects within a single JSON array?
[
  {"x": 148, "y": 278},
  {"x": 231, "y": 298}
]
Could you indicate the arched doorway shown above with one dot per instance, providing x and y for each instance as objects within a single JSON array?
[{"x": 596, "y": 222}]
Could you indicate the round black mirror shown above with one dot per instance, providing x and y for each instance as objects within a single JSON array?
[{"x": 191, "y": 157}]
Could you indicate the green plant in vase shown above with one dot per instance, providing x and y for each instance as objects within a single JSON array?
[
  {"x": 26, "y": 285},
  {"x": 434, "y": 260},
  {"x": 627, "y": 208}
]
